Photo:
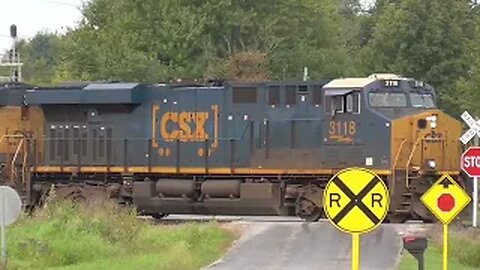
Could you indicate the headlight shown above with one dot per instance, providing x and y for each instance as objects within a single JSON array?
[
  {"x": 433, "y": 121},
  {"x": 432, "y": 164}
]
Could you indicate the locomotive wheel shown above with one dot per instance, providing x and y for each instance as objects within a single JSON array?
[
  {"x": 308, "y": 211},
  {"x": 315, "y": 215}
]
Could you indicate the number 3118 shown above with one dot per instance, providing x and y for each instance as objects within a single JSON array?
[{"x": 344, "y": 128}]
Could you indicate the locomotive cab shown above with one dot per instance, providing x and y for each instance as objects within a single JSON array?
[
  {"x": 430, "y": 134},
  {"x": 402, "y": 131}
]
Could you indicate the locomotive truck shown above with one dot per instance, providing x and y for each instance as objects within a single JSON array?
[{"x": 232, "y": 148}]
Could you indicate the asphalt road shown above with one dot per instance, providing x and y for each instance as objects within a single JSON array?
[{"x": 290, "y": 244}]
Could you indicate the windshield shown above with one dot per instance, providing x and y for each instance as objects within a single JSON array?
[
  {"x": 385, "y": 99},
  {"x": 422, "y": 100}
]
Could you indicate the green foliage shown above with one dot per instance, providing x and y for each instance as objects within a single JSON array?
[
  {"x": 64, "y": 235},
  {"x": 149, "y": 40},
  {"x": 40, "y": 56},
  {"x": 424, "y": 39},
  {"x": 433, "y": 261},
  {"x": 163, "y": 40},
  {"x": 463, "y": 250},
  {"x": 465, "y": 246}
]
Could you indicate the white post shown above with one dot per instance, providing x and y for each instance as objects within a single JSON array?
[
  {"x": 305, "y": 73},
  {"x": 3, "y": 232},
  {"x": 476, "y": 142},
  {"x": 475, "y": 201}
]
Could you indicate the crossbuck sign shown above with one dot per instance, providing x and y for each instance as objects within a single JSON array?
[
  {"x": 473, "y": 125},
  {"x": 470, "y": 154}
]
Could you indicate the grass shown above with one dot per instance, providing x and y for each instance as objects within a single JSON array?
[
  {"x": 433, "y": 261},
  {"x": 64, "y": 235},
  {"x": 464, "y": 251}
]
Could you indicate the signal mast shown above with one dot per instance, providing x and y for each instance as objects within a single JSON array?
[{"x": 14, "y": 58}]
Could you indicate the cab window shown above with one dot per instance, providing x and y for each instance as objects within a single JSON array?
[
  {"x": 345, "y": 103},
  {"x": 334, "y": 104},
  {"x": 421, "y": 100},
  {"x": 387, "y": 99},
  {"x": 353, "y": 103}
]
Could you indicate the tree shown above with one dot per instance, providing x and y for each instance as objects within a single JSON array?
[
  {"x": 160, "y": 40},
  {"x": 310, "y": 34},
  {"x": 134, "y": 40},
  {"x": 422, "y": 39},
  {"x": 39, "y": 56},
  {"x": 465, "y": 93}
]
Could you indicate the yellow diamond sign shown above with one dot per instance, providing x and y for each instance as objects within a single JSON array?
[
  {"x": 445, "y": 199},
  {"x": 356, "y": 200}
]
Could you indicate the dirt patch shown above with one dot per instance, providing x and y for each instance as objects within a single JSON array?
[{"x": 236, "y": 229}]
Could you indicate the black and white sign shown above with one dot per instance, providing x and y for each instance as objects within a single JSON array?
[{"x": 466, "y": 137}]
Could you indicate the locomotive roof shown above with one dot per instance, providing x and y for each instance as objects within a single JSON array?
[
  {"x": 12, "y": 93},
  {"x": 91, "y": 93},
  {"x": 279, "y": 83},
  {"x": 362, "y": 82},
  {"x": 91, "y": 86},
  {"x": 350, "y": 83}
]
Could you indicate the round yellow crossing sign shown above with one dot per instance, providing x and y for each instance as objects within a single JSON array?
[{"x": 356, "y": 200}]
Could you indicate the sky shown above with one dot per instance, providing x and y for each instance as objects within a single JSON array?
[{"x": 32, "y": 16}]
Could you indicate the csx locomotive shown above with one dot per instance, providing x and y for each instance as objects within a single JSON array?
[{"x": 232, "y": 148}]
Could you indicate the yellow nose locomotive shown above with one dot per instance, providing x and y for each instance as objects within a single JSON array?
[
  {"x": 405, "y": 137},
  {"x": 242, "y": 148}
]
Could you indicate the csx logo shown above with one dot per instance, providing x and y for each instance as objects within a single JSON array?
[{"x": 184, "y": 126}]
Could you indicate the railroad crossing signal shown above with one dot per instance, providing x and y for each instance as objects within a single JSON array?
[
  {"x": 472, "y": 124},
  {"x": 471, "y": 159},
  {"x": 445, "y": 199},
  {"x": 356, "y": 200}
]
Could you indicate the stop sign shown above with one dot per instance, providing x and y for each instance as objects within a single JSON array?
[{"x": 471, "y": 161}]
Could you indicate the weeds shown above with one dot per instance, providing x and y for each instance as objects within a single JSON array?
[
  {"x": 107, "y": 236},
  {"x": 465, "y": 245}
]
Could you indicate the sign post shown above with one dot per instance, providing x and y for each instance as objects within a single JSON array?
[
  {"x": 470, "y": 164},
  {"x": 475, "y": 200},
  {"x": 356, "y": 201},
  {"x": 471, "y": 159},
  {"x": 445, "y": 199},
  {"x": 10, "y": 208}
]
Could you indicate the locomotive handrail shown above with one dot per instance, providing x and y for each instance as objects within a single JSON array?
[
  {"x": 397, "y": 156},
  {"x": 407, "y": 183},
  {"x": 19, "y": 136},
  {"x": 12, "y": 164}
]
